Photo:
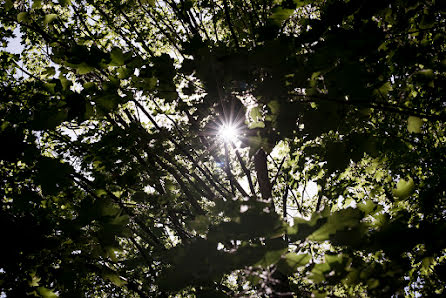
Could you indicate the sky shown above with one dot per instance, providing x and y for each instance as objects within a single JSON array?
[{"x": 14, "y": 45}]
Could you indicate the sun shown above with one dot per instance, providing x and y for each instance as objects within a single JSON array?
[
  {"x": 227, "y": 127},
  {"x": 228, "y": 133}
]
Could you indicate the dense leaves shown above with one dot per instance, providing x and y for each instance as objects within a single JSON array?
[{"x": 116, "y": 180}]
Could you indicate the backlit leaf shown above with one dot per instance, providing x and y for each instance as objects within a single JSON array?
[
  {"x": 404, "y": 188},
  {"x": 46, "y": 293},
  {"x": 23, "y": 17},
  {"x": 414, "y": 124},
  {"x": 49, "y": 18}
]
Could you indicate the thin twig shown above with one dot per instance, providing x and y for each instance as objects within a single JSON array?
[
  {"x": 245, "y": 170},
  {"x": 278, "y": 171},
  {"x": 228, "y": 170},
  {"x": 295, "y": 199}
]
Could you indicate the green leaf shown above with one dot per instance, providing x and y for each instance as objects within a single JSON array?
[
  {"x": 46, "y": 293},
  {"x": 146, "y": 83},
  {"x": 258, "y": 124},
  {"x": 414, "y": 124},
  {"x": 107, "y": 208},
  {"x": 150, "y": 2},
  {"x": 200, "y": 224},
  {"x": 280, "y": 14},
  {"x": 318, "y": 272},
  {"x": 89, "y": 85},
  {"x": 338, "y": 221},
  {"x": 120, "y": 220},
  {"x": 425, "y": 73},
  {"x": 65, "y": 3},
  {"x": 427, "y": 262},
  {"x": 404, "y": 188},
  {"x": 115, "y": 279},
  {"x": 291, "y": 261},
  {"x": 372, "y": 283},
  {"x": 84, "y": 68},
  {"x": 271, "y": 257},
  {"x": 124, "y": 72},
  {"x": 37, "y": 4},
  {"x": 329, "y": 259},
  {"x": 34, "y": 282},
  {"x": 110, "y": 252},
  {"x": 117, "y": 57},
  {"x": 66, "y": 84},
  {"x": 255, "y": 114},
  {"x": 49, "y": 72},
  {"x": 49, "y": 18},
  {"x": 367, "y": 207},
  {"x": 50, "y": 87},
  {"x": 274, "y": 105},
  {"x": 385, "y": 89},
  {"x": 89, "y": 111},
  {"x": 8, "y": 5},
  {"x": 23, "y": 17},
  {"x": 107, "y": 103}
]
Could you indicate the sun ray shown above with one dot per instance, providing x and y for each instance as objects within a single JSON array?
[{"x": 228, "y": 132}]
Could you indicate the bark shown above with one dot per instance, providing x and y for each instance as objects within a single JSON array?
[
  {"x": 262, "y": 174},
  {"x": 280, "y": 284}
]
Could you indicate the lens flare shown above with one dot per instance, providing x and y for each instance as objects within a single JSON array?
[{"x": 228, "y": 133}]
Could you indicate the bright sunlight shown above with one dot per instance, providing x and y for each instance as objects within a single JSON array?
[{"x": 228, "y": 133}]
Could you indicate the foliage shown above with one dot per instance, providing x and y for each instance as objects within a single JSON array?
[{"x": 115, "y": 182}]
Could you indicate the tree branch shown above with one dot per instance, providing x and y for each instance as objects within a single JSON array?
[
  {"x": 245, "y": 170},
  {"x": 261, "y": 167},
  {"x": 278, "y": 172},
  {"x": 228, "y": 19},
  {"x": 228, "y": 170}
]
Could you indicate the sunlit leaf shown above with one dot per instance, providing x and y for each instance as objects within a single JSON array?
[
  {"x": 34, "y": 282},
  {"x": 272, "y": 257},
  {"x": 23, "y": 17},
  {"x": 117, "y": 57},
  {"x": 291, "y": 261},
  {"x": 115, "y": 279},
  {"x": 280, "y": 14},
  {"x": 46, "y": 293},
  {"x": 84, "y": 68},
  {"x": 404, "y": 188},
  {"x": 37, "y": 4},
  {"x": 49, "y": 18},
  {"x": 414, "y": 124}
]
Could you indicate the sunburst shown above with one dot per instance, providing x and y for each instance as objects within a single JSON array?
[
  {"x": 228, "y": 133},
  {"x": 226, "y": 129},
  {"x": 229, "y": 127}
]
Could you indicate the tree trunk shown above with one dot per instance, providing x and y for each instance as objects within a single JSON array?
[{"x": 280, "y": 284}]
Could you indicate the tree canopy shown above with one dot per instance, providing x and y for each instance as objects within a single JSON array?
[{"x": 223, "y": 148}]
